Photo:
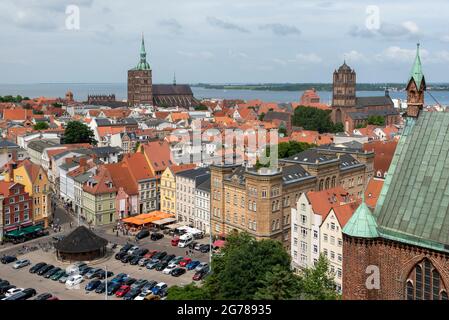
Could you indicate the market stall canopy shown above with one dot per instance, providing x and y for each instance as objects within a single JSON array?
[
  {"x": 24, "y": 231},
  {"x": 163, "y": 222},
  {"x": 219, "y": 243},
  {"x": 146, "y": 218}
]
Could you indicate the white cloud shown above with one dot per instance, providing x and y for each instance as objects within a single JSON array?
[
  {"x": 308, "y": 58},
  {"x": 397, "y": 53},
  {"x": 354, "y": 55}
]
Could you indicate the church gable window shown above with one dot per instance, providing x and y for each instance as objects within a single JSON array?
[{"x": 424, "y": 283}]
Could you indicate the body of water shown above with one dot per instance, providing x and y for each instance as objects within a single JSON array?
[{"x": 82, "y": 90}]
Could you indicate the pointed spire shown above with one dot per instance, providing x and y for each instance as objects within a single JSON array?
[
  {"x": 417, "y": 73},
  {"x": 143, "y": 64},
  {"x": 174, "y": 78}
]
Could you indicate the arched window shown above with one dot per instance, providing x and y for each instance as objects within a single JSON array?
[
  {"x": 327, "y": 183},
  {"x": 333, "y": 181},
  {"x": 424, "y": 283},
  {"x": 321, "y": 185}
]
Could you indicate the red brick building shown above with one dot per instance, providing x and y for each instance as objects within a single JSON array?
[
  {"x": 17, "y": 207},
  {"x": 401, "y": 250}
]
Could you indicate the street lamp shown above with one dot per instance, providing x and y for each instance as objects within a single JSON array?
[{"x": 106, "y": 282}]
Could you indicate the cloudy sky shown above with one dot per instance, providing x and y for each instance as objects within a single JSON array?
[{"x": 222, "y": 41}]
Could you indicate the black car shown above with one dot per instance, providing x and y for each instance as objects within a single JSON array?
[
  {"x": 44, "y": 269},
  {"x": 120, "y": 255},
  {"x": 26, "y": 294},
  {"x": 44, "y": 296},
  {"x": 161, "y": 266},
  {"x": 205, "y": 248},
  {"x": 6, "y": 287},
  {"x": 160, "y": 255},
  {"x": 8, "y": 259},
  {"x": 126, "y": 247},
  {"x": 192, "y": 245},
  {"x": 102, "y": 274},
  {"x": 134, "y": 260},
  {"x": 51, "y": 272},
  {"x": 126, "y": 258},
  {"x": 131, "y": 294},
  {"x": 37, "y": 267},
  {"x": 141, "y": 252},
  {"x": 178, "y": 272},
  {"x": 142, "y": 234},
  {"x": 168, "y": 258},
  {"x": 84, "y": 270},
  {"x": 4, "y": 283},
  {"x": 112, "y": 288},
  {"x": 102, "y": 286},
  {"x": 128, "y": 281},
  {"x": 156, "y": 236},
  {"x": 92, "y": 285}
]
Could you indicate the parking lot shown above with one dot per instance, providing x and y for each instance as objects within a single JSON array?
[{"x": 24, "y": 279}]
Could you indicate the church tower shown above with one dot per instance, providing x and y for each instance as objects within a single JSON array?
[
  {"x": 415, "y": 88},
  {"x": 343, "y": 95},
  {"x": 140, "y": 84}
]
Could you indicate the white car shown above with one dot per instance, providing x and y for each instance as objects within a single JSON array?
[
  {"x": 169, "y": 268},
  {"x": 74, "y": 280},
  {"x": 74, "y": 268},
  {"x": 13, "y": 291},
  {"x": 142, "y": 296},
  {"x": 21, "y": 263},
  {"x": 132, "y": 250}
]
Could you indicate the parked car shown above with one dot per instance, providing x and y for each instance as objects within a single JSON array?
[
  {"x": 178, "y": 272},
  {"x": 92, "y": 285},
  {"x": 142, "y": 234},
  {"x": 37, "y": 267},
  {"x": 120, "y": 255},
  {"x": 152, "y": 264},
  {"x": 122, "y": 291},
  {"x": 160, "y": 255},
  {"x": 92, "y": 273},
  {"x": 201, "y": 266},
  {"x": 126, "y": 258},
  {"x": 184, "y": 262},
  {"x": 161, "y": 266},
  {"x": 74, "y": 280},
  {"x": 113, "y": 287},
  {"x": 126, "y": 247},
  {"x": 133, "y": 249},
  {"x": 159, "y": 287},
  {"x": 76, "y": 267},
  {"x": 199, "y": 275},
  {"x": 85, "y": 270},
  {"x": 141, "y": 252},
  {"x": 176, "y": 260},
  {"x": 139, "y": 284},
  {"x": 13, "y": 291},
  {"x": 168, "y": 258},
  {"x": 102, "y": 286},
  {"x": 8, "y": 259},
  {"x": 64, "y": 278},
  {"x": 143, "y": 261},
  {"x": 51, "y": 272},
  {"x": 21, "y": 263},
  {"x": 192, "y": 264},
  {"x": 205, "y": 248},
  {"x": 44, "y": 269},
  {"x": 197, "y": 246},
  {"x": 102, "y": 274},
  {"x": 192, "y": 245},
  {"x": 27, "y": 293},
  {"x": 152, "y": 296},
  {"x": 156, "y": 236},
  {"x": 129, "y": 281},
  {"x": 169, "y": 268},
  {"x": 44, "y": 296},
  {"x": 141, "y": 296},
  {"x": 131, "y": 294},
  {"x": 134, "y": 260},
  {"x": 150, "y": 284},
  {"x": 120, "y": 277},
  {"x": 175, "y": 241},
  {"x": 58, "y": 275},
  {"x": 151, "y": 253},
  {"x": 5, "y": 288}
]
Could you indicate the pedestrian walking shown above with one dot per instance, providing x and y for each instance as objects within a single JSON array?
[{"x": 116, "y": 234}]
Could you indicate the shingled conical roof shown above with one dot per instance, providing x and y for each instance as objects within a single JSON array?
[
  {"x": 362, "y": 224},
  {"x": 81, "y": 240}
]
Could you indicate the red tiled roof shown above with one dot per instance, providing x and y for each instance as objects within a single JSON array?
[
  {"x": 383, "y": 154},
  {"x": 372, "y": 192},
  {"x": 323, "y": 201}
]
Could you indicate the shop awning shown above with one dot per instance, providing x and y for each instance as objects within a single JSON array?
[
  {"x": 173, "y": 226},
  {"x": 24, "y": 231},
  {"x": 163, "y": 222}
]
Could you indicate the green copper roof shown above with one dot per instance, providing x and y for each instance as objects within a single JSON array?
[
  {"x": 143, "y": 64},
  {"x": 362, "y": 223},
  {"x": 413, "y": 206},
  {"x": 417, "y": 73}
]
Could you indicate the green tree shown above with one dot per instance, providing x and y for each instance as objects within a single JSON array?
[
  {"x": 41, "y": 126},
  {"x": 38, "y": 111},
  {"x": 57, "y": 105},
  {"x": 376, "y": 120},
  {"x": 360, "y": 126},
  {"x": 261, "y": 116},
  {"x": 77, "y": 132},
  {"x": 317, "y": 283},
  {"x": 279, "y": 284},
  {"x": 338, "y": 127},
  {"x": 288, "y": 149},
  {"x": 188, "y": 292},
  {"x": 201, "y": 107}
]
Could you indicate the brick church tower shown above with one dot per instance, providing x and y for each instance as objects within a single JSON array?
[
  {"x": 344, "y": 92},
  {"x": 140, "y": 83},
  {"x": 401, "y": 250},
  {"x": 415, "y": 88}
]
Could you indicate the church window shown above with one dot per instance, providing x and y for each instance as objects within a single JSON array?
[{"x": 424, "y": 283}]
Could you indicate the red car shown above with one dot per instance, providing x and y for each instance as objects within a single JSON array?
[
  {"x": 122, "y": 291},
  {"x": 199, "y": 275},
  {"x": 184, "y": 262},
  {"x": 150, "y": 254},
  {"x": 174, "y": 242}
]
